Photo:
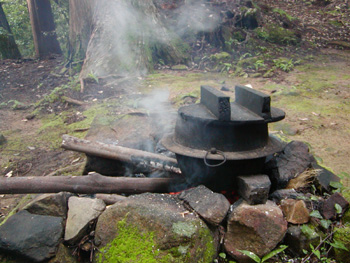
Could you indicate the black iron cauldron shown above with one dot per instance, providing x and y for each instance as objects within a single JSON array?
[{"x": 215, "y": 140}]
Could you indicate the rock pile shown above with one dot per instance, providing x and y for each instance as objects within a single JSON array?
[{"x": 194, "y": 225}]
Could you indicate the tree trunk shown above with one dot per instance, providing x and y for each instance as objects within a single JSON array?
[
  {"x": 43, "y": 28},
  {"x": 8, "y": 46},
  {"x": 121, "y": 38}
]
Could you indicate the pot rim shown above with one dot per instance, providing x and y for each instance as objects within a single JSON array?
[{"x": 274, "y": 145}]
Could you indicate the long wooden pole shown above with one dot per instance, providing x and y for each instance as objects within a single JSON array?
[
  {"x": 89, "y": 184},
  {"x": 120, "y": 153}
]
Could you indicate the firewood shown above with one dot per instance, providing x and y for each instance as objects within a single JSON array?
[
  {"x": 124, "y": 154},
  {"x": 89, "y": 184},
  {"x": 73, "y": 101}
]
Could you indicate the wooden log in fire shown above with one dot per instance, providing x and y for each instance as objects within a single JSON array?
[
  {"x": 89, "y": 184},
  {"x": 120, "y": 153}
]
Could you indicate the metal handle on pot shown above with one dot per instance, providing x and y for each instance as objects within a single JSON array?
[{"x": 214, "y": 151}]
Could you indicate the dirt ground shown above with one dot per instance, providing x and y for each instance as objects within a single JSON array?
[
  {"x": 317, "y": 114},
  {"x": 315, "y": 96}
]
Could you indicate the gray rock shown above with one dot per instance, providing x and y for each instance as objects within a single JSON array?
[
  {"x": 49, "y": 204},
  {"x": 280, "y": 194},
  {"x": 254, "y": 189},
  {"x": 212, "y": 207},
  {"x": 297, "y": 241},
  {"x": 34, "y": 237},
  {"x": 156, "y": 223},
  {"x": 81, "y": 211},
  {"x": 64, "y": 255},
  {"x": 328, "y": 209},
  {"x": 257, "y": 228},
  {"x": 324, "y": 177},
  {"x": 294, "y": 160}
]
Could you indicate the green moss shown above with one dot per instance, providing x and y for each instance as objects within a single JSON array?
[
  {"x": 220, "y": 57},
  {"x": 184, "y": 229},
  {"x": 276, "y": 34},
  {"x": 209, "y": 247},
  {"x": 342, "y": 235},
  {"x": 179, "y": 67},
  {"x": 131, "y": 245},
  {"x": 346, "y": 194},
  {"x": 284, "y": 14},
  {"x": 53, "y": 127}
]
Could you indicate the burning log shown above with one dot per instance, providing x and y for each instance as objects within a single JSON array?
[
  {"x": 89, "y": 184},
  {"x": 120, "y": 153}
]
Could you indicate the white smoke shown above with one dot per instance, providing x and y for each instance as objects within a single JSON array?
[{"x": 125, "y": 28}]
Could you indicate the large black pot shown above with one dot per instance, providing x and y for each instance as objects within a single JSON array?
[{"x": 216, "y": 140}]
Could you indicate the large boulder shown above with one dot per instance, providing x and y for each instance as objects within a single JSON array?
[
  {"x": 152, "y": 228},
  {"x": 255, "y": 228},
  {"x": 34, "y": 237}
]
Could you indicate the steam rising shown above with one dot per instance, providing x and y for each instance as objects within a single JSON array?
[
  {"x": 195, "y": 17},
  {"x": 126, "y": 29}
]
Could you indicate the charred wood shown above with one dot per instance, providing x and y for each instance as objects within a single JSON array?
[{"x": 120, "y": 153}]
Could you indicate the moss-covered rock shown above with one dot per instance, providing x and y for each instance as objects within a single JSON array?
[
  {"x": 346, "y": 216},
  {"x": 342, "y": 235},
  {"x": 220, "y": 57},
  {"x": 152, "y": 228},
  {"x": 277, "y": 34}
]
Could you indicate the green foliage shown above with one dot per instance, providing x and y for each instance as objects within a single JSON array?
[
  {"x": 277, "y": 34},
  {"x": 309, "y": 231},
  {"x": 341, "y": 243},
  {"x": 219, "y": 57},
  {"x": 16, "y": 12},
  {"x": 223, "y": 258},
  {"x": 259, "y": 64},
  {"x": 60, "y": 10},
  {"x": 266, "y": 257},
  {"x": 226, "y": 67},
  {"x": 338, "y": 244},
  {"x": 285, "y": 64},
  {"x": 92, "y": 76},
  {"x": 316, "y": 214}
]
